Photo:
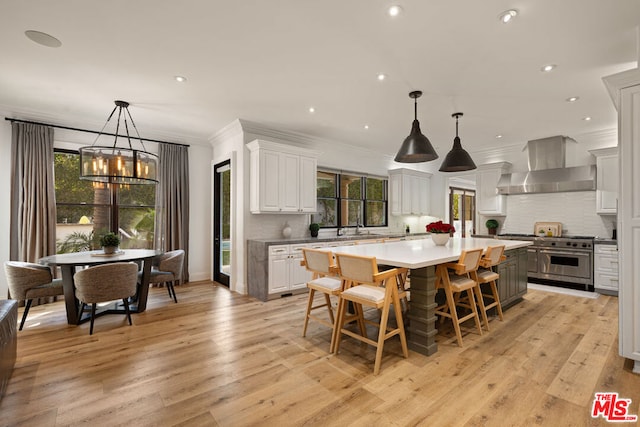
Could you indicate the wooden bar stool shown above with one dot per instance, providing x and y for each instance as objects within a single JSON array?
[
  {"x": 492, "y": 257},
  {"x": 324, "y": 280},
  {"x": 459, "y": 281},
  {"x": 366, "y": 286}
]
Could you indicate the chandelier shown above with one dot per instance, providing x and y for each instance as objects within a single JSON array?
[{"x": 119, "y": 165}]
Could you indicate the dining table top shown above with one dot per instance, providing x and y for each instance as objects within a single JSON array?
[
  {"x": 424, "y": 252},
  {"x": 98, "y": 257}
]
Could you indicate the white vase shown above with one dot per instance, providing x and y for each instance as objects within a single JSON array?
[
  {"x": 286, "y": 231},
  {"x": 440, "y": 239}
]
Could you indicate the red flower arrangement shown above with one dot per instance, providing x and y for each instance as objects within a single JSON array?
[{"x": 440, "y": 228}]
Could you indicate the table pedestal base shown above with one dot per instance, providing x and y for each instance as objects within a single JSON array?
[{"x": 421, "y": 331}]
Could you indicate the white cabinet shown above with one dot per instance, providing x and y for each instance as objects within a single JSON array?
[
  {"x": 624, "y": 89},
  {"x": 283, "y": 178},
  {"x": 605, "y": 269},
  {"x": 409, "y": 192},
  {"x": 285, "y": 272},
  {"x": 607, "y": 171},
  {"x": 489, "y": 202}
]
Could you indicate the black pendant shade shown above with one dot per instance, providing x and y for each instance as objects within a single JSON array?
[
  {"x": 416, "y": 147},
  {"x": 457, "y": 160}
]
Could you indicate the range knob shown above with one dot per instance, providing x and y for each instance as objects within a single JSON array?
[
  {"x": 575, "y": 244},
  {"x": 585, "y": 245}
]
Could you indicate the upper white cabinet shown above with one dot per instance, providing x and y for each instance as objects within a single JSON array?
[
  {"x": 489, "y": 202},
  {"x": 607, "y": 171},
  {"x": 409, "y": 192},
  {"x": 283, "y": 178}
]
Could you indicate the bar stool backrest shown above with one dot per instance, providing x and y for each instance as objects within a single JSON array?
[
  {"x": 493, "y": 256},
  {"x": 318, "y": 261},
  {"x": 357, "y": 268},
  {"x": 470, "y": 260}
]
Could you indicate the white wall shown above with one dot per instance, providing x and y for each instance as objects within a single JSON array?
[
  {"x": 5, "y": 196},
  {"x": 200, "y": 195},
  {"x": 575, "y": 210}
]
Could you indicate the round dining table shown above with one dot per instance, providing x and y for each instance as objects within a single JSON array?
[{"x": 69, "y": 263}]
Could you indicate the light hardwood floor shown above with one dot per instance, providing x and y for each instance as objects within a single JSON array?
[{"x": 218, "y": 358}]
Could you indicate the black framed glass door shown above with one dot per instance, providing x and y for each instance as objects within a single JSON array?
[
  {"x": 222, "y": 223},
  {"x": 462, "y": 211}
]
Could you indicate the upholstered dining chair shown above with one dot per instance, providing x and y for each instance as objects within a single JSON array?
[
  {"x": 168, "y": 271},
  {"x": 27, "y": 281},
  {"x": 106, "y": 282}
]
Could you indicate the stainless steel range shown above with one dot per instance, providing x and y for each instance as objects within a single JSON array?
[{"x": 562, "y": 261}]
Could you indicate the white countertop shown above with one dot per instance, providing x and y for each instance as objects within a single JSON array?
[{"x": 423, "y": 252}]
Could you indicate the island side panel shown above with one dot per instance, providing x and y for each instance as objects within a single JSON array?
[
  {"x": 421, "y": 330},
  {"x": 258, "y": 269}
]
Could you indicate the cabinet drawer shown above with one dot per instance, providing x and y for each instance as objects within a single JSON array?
[
  {"x": 315, "y": 245},
  {"x": 335, "y": 244},
  {"x": 606, "y": 249},
  {"x": 606, "y": 281},
  {"x": 279, "y": 250},
  {"x": 606, "y": 263}
]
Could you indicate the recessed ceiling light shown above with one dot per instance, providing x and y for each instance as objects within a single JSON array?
[
  {"x": 507, "y": 16},
  {"x": 312, "y": 110},
  {"x": 498, "y": 136},
  {"x": 43, "y": 39},
  {"x": 180, "y": 79},
  {"x": 548, "y": 68},
  {"x": 381, "y": 76},
  {"x": 394, "y": 10},
  {"x": 572, "y": 99},
  {"x": 586, "y": 119},
  {"x": 366, "y": 126}
]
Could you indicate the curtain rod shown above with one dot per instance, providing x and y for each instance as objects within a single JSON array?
[{"x": 90, "y": 131}]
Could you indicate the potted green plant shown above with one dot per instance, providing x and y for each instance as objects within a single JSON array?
[
  {"x": 492, "y": 226},
  {"x": 313, "y": 228},
  {"x": 109, "y": 242}
]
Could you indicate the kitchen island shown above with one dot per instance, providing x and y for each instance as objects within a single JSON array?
[{"x": 421, "y": 257}]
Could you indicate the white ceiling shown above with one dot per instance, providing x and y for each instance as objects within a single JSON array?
[{"x": 269, "y": 61}]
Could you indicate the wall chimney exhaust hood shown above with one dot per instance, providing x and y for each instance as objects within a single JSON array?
[{"x": 547, "y": 172}]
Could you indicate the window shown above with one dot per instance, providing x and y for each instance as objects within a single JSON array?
[
  {"x": 86, "y": 209},
  {"x": 345, "y": 200}
]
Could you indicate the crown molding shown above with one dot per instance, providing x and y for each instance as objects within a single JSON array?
[
  {"x": 616, "y": 82},
  {"x": 255, "y": 130}
]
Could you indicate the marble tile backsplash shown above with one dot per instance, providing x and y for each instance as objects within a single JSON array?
[{"x": 575, "y": 210}]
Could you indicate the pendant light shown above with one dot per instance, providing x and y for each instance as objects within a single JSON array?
[
  {"x": 416, "y": 147},
  {"x": 119, "y": 164},
  {"x": 457, "y": 159}
]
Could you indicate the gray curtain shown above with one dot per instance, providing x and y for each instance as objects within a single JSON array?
[
  {"x": 33, "y": 205},
  {"x": 172, "y": 201}
]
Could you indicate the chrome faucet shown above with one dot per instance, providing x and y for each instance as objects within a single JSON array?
[{"x": 358, "y": 225}]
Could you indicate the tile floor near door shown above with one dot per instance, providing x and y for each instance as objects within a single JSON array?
[{"x": 217, "y": 358}]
